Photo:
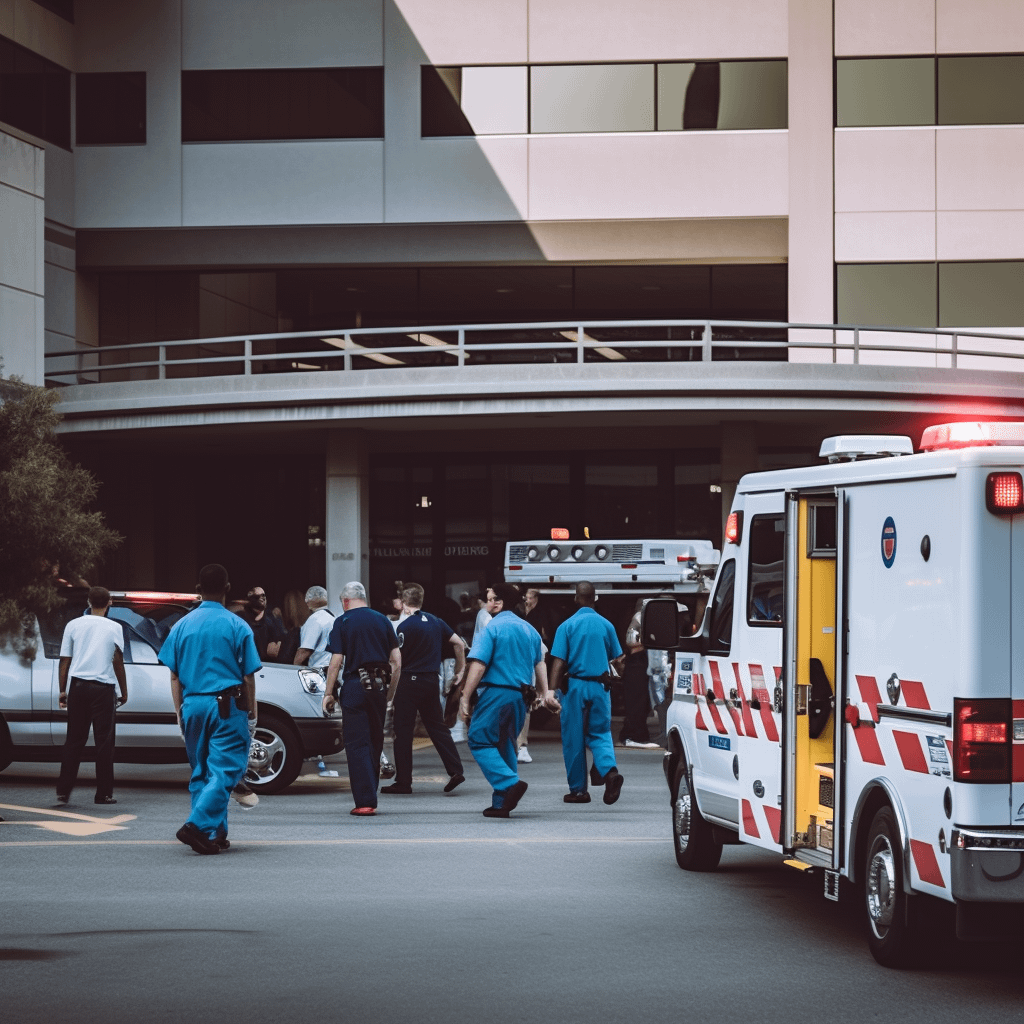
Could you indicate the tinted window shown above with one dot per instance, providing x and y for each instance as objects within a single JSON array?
[
  {"x": 767, "y": 546},
  {"x": 885, "y": 91},
  {"x": 473, "y": 100},
  {"x": 892, "y": 294},
  {"x": 722, "y": 95},
  {"x": 307, "y": 103},
  {"x": 981, "y": 294},
  {"x": 592, "y": 98},
  {"x": 110, "y": 108},
  {"x": 720, "y": 636},
  {"x": 981, "y": 90},
  {"x": 35, "y": 94}
]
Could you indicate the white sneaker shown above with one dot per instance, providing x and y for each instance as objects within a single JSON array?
[
  {"x": 245, "y": 797},
  {"x": 642, "y": 746},
  {"x": 523, "y": 757}
]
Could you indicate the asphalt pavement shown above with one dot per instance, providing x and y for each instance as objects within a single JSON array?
[{"x": 430, "y": 912}]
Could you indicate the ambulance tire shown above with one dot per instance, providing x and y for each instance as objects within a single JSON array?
[
  {"x": 694, "y": 841},
  {"x": 892, "y": 937}
]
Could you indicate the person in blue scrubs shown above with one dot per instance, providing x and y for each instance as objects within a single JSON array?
[
  {"x": 362, "y": 638},
  {"x": 583, "y": 648},
  {"x": 213, "y": 661},
  {"x": 506, "y": 657}
]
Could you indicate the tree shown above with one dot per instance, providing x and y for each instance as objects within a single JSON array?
[{"x": 47, "y": 532}]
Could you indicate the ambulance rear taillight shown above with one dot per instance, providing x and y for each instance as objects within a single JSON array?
[
  {"x": 982, "y": 740},
  {"x": 1004, "y": 493}
]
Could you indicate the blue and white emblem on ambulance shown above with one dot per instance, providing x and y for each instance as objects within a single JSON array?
[{"x": 888, "y": 542}]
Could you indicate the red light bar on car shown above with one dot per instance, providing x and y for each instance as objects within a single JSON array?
[
  {"x": 559, "y": 533},
  {"x": 156, "y": 595},
  {"x": 947, "y": 436}
]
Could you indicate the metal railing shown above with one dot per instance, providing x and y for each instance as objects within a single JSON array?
[{"x": 603, "y": 341}]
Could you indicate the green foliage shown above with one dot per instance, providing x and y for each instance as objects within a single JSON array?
[{"x": 47, "y": 532}]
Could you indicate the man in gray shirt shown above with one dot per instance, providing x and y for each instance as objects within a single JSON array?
[{"x": 316, "y": 631}]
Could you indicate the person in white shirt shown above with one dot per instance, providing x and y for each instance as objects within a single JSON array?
[
  {"x": 316, "y": 631},
  {"x": 91, "y": 654}
]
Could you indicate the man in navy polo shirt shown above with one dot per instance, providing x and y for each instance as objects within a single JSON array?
[
  {"x": 421, "y": 637},
  {"x": 362, "y": 639},
  {"x": 213, "y": 661},
  {"x": 584, "y": 645},
  {"x": 506, "y": 658}
]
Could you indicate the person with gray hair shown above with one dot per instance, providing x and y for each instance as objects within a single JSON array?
[{"x": 316, "y": 631}]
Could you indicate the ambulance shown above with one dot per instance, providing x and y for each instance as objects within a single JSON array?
[{"x": 853, "y": 697}]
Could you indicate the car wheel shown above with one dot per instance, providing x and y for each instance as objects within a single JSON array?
[
  {"x": 695, "y": 844},
  {"x": 6, "y": 748},
  {"x": 275, "y": 755},
  {"x": 890, "y": 925}
]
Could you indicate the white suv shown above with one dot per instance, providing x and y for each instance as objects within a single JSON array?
[{"x": 291, "y": 725}]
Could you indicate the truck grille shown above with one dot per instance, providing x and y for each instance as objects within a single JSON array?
[
  {"x": 826, "y": 792},
  {"x": 627, "y": 552}
]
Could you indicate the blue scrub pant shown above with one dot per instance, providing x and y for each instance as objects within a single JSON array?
[
  {"x": 362, "y": 727},
  {"x": 496, "y": 722},
  {"x": 586, "y": 723},
  {"x": 218, "y": 751}
]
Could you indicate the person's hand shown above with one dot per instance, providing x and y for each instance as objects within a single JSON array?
[
  {"x": 62, "y": 701},
  {"x": 551, "y": 702},
  {"x": 252, "y": 726},
  {"x": 328, "y": 704},
  {"x": 118, "y": 701},
  {"x": 464, "y": 709}
]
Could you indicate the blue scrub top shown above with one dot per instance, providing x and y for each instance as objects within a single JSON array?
[
  {"x": 210, "y": 649},
  {"x": 586, "y": 642},
  {"x": 510, "y": 649},
  {"x": 421, "y": 637},
  {"x": 361, "y": 635}
]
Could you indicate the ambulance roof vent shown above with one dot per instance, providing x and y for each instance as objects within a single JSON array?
[{"x": 850, "y": 447}]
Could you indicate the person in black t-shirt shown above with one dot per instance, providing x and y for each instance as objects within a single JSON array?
[
  {"x": 267, "y": 629},
  {"x": 421, "y": 637}
]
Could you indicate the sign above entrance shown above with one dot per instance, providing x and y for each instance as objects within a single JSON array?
[{"x": 427, "y": 551}]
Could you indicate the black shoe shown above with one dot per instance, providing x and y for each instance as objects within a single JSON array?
[
  {"x": 63, "y": 798},
  {"x": 495, "y": 812},
  {"x": 103, "y": 800},
  {"x": 512, "y": 796},
  {"x": 613, "y": 787},
  {"x": 396, "y": 787},
  {"x": 455, "y": 780},
  {"x": 576, "y": 798},
  {"x": 596, "y": 778},
  {"x": 223, "y": 842},
  {"x": 190, "y": 835}
]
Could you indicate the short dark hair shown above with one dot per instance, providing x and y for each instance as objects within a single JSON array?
[
  {"x": 508, "y": 594},
  {"x": 99, "y": 597},
  {"x": 585, "y": 594},
  {"x": 213, "y": 579},
  {"x": 412, "y": 595}
]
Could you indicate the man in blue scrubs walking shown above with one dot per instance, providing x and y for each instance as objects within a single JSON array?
[
  {"x": 505, "y": 660},
  {"x": 584, "y": 645},
  {"x": 213, "y": 661}
]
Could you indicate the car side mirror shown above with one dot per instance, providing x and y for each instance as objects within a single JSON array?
[{"x": 659, "y": 625}]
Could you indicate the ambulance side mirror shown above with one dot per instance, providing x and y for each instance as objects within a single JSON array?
[{"x": 660, "y": 622}]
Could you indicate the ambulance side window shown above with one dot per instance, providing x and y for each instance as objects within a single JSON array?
[
  {"x": 720, "y": 632},
  {"x": 767, "y": 546}
]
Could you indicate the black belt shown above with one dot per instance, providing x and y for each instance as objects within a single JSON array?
[
  {"x": 432, "y": 676},
  {"x": 504, "y": 686}
]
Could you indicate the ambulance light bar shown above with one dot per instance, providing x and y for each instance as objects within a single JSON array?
[
  {"x": 971, "y": 435},
  {"x": 850, "y": 447},
  {"x": 154, "y": 595}
]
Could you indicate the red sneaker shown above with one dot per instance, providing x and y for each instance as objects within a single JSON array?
[{"x": 366, "y": 811}]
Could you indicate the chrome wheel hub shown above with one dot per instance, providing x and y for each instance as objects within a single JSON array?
[
  {"x": 266, "y": 757},
  {"x": 881, "y": 886},
  {"x": 681, "y": 819}
]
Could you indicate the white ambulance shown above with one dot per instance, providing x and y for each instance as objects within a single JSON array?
[{"x": 854, "y": 696}]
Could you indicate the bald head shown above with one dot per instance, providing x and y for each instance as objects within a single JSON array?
[{"x": 585, "y": 596}]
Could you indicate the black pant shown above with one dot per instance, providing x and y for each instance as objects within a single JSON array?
[
  {"x": 636, "y": 699},
  {"x": 89, "y": 704},
  {"x": 419, "y": 692},
  {"x": 362, "y": 728}
]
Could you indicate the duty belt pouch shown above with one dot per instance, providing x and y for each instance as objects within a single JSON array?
[
  {"x": 529, "y": 695},
  {"x": 375, "y": 675},
  {"x": 224, "y": 699}
]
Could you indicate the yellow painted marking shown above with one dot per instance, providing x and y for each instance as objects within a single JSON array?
[
  {"x": 78, "y": 825},
  {"x": 341, "y": 842}
]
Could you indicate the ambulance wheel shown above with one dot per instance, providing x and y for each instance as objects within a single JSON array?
[
  {"x": 694, "y": 842},
  {"x": 275, "y": 755},
  {"x": 890, "y": 927}
]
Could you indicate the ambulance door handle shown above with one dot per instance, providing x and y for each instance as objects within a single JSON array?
[{"x": 777, "y": 700}]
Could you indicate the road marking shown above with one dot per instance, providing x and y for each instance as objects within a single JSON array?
[
  {"x": 79, "y": 825},
  {"x": 341, "y": 842}
]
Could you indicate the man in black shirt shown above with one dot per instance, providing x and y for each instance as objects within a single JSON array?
[
  {"x": 421, "y": 637},
  {"x": 267, "y": 631}
]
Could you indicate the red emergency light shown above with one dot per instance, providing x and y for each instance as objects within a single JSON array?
[
  {"x": 948, "y": 436},
  {"x": 982, "y": 740},
  {"x": 156, "y": 595},
  {"x": 734, "y": 528},
  {"x": 559, "y": 533},
  {"x": 1004, "y": 493}
]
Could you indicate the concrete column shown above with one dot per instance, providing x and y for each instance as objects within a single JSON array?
[
  {"x": 739, "y": 456},
  {"x": 348, "y": 511},
  {"x": 811, "y": 174}
]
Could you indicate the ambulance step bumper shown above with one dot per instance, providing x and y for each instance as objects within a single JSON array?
[{"x": 987, "y": 865}]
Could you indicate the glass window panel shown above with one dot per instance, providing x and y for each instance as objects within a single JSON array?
[
  {"x": 35, "y": 94},
  {"x": 767, "y": 545},
  {"x": 673, "y": 80},
  {"x": 889, "y": 294},
  {"x": 494, "y": 100},
  {"x": 981, "y": 90},
  {"x": 981, "y": 294},
  {"x": 441, "y": 103},
  {"x": 621, "y": 500},
  {"x": 592, "y": 98},
  {"x": 880, "y": 91},
  {"x": 642, "y": 292},
  {"x": 110, "y": 108},
  {"x": 467, "y": 490},
  {"x": 754, "y": 94}
]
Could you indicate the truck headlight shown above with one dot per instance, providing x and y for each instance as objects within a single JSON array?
[{"x": 313, "y": 680}]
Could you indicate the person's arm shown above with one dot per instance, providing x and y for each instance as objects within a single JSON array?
[
  {"x": 540, "y": 680},
  {"x": 273, "y": 649},
  {"x": 249, "y": 693},
  {"x": 122, "y": 681},
  {"x": 459, "y": 647},
  {"x": 557, "y": 668},
  {"x": 302, "y": 656},
  {"x": 177, "y": 692},
  {"x": 337, "y": 661},
  {"x": 62, "y": 683},
  {"x": 473, "y": 676},
  {"x": 395, "y": 660}
]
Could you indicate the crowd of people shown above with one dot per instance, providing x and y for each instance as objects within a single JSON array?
[{"x": 405, "y": 664}]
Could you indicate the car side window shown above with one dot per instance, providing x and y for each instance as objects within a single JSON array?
[
  {"x": 720, "y": 635},
  {"x": 52, "y": 623},
  {"x": 767, "y": 547}
]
